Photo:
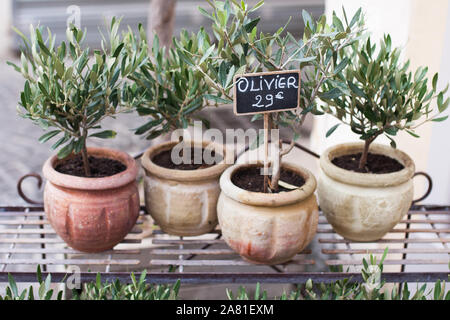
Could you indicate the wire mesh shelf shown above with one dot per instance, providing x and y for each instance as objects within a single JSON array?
[{"x": 419, "y": 242}]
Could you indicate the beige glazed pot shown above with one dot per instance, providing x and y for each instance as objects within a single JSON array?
[
  {"x": 364, "y": 206},
  {"x": 92, "y": 214},
  {"x": 267, "y": 228},
  {"x": 182, "y": 202}
]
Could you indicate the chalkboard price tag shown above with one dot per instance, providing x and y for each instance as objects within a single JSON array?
[{"x": 266, "y": 92}]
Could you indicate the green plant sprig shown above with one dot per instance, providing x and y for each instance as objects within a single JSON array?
[
  {"x": 169, "y": 90},
  {"x": 66, "y": 91},
  {"x": 377, "y": 94}
]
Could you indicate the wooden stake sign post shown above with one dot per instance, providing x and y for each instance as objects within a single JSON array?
[{"x": 266, "y": 92}]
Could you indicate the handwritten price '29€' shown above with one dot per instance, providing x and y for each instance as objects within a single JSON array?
[{"x": 262, "y": 84}]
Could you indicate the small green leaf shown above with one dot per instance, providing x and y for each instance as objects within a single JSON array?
[
  {"x": 391, "y": 130},
  {"x": 356, "y": 90},
  {"x": 185, "y": 58},
  {"x": 217, "y": 99},
  {"x": 118, "y": 49},
  {"x": 443, "y": 106},
  {"x": 13, "y": 285},
  {"x": 415, "y": 135},
  {"x": 434, "y": 82},
  {"x": 207, "y": 54},
  {"x": 149, "y": 125},
  {"x": 107, "y": 134},
  {"x": 48, "y": 136},
  {"x": 440, "y": 119},
  {"x": 64, "y": 152},
  {"x": 355, "y": 18},
  {"x": 205, "y": 13},
  {"x": 59, "y": 69},
  {"x": 332, "y": 94},
  {"x": 331, "y": 130},
  {"x": 341, "y": 65},
  {"x": 249, "y": 26},
  {"x": 44, "y": 48}
]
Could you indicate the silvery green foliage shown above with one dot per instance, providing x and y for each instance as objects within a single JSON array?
[
  {"x": 67, "y": 91},
  {"x": 138, "y": 289},
  {"x": 239, "y": 47},
  {"x": 377, "y": 94},
  {"x": 199, "y": 69},
  {"x": 44, "y": 290},
  {"x": 372, "y": 288},
  {"x": 169, "y": 89}
]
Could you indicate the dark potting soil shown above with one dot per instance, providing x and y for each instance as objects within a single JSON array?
[
  {"x": 100, "y": 167},
  {"x": 376, "y": 163},
  {"x": 164, "y": 159},
  {"x": 251, "y": 179}
]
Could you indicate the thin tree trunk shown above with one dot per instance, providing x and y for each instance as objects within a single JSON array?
[
  {"x": 276, "y": 167},
  {"x": 267, "y": 129},
  {"x": 84, "y": 155},
  {"x": 161, "y": 21},
  {"x": 363, "y": 160},
  {"x": 276, "y": 172}
]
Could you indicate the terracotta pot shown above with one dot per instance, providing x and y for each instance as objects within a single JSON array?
[
  {"x": 267, "y": 228},
  {"x": 364, "y": 206},
  {"x": 182, "y": 202},
  {"x": 92, "y": 214}
]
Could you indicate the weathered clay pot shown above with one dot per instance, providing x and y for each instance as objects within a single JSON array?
[
  {"x": 182, "y": 202},
  {"x": 364, "y": 206},
  {"x": 267, "y": 228},
  {"x": 92, "y": 214}
]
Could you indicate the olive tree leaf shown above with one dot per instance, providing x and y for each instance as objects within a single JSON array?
[
  {"x": 106, "y": 134},
  {"x": 332, "y": 129},
  {"x": 47, "y": 136}
]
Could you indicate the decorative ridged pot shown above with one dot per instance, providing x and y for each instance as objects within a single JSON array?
[
  {"x": 182, "y": 202},
  {"x": 364, "y": 206},
  {"x": 267, "y": 228},
  {"x": 92, "y": 214}
]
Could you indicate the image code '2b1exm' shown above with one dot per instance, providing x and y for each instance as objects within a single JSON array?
[{"x": 266, "y": 92}]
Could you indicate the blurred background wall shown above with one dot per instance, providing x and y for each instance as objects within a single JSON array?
[{"x": 52, "y": 13}]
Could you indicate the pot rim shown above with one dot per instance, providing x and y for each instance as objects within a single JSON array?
[
  {"x": 82, "y": 183},
  {"x": 182, "y": 175},
  {"x": 268, "y": 199},
  {"x": 367, "y": 179}
]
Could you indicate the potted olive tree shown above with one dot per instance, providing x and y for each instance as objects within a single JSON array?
[
  {"x": 181, "y": 180},
  {"x": 269, "y": 220},
  {"x": 90, "y": 198},
  {"x": 366, "y": 188}
]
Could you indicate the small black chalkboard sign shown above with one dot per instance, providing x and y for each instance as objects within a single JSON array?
[{"x": 266, "y": 92}]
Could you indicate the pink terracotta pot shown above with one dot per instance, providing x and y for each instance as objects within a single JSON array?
[{"x": 92, "y": 214}]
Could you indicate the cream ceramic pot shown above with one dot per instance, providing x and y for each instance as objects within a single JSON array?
[
  {"x": 364, "y": 206},
  {"x": 92, "y": 214},
  {"x": 267, "y": 228},
  {"x": 182, "y": 202}
]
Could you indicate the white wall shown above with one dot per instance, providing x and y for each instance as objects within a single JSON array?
[
  {"x": 439, "y": 160},
  {"x": 5, "y": 27}
]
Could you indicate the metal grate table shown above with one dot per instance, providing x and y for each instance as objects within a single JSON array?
[{"x": 27, "y": 240}]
